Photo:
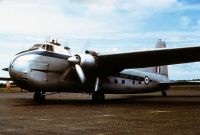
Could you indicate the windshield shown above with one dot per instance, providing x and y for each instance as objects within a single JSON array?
[
  {"x": 36, "y": 46},
  {"x": 47, "y": 47}
]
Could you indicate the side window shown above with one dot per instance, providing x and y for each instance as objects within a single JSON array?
[
  {"x": 123, "y": 81},
  {"x": 43, "y": 47},
  {"x": 115, "y": 81},
  {"x": 49, "y": 48}
]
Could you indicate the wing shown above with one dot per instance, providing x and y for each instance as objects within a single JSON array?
[
  {"x": 5, "y": 79},
  {"x": 151, "y": 58}
]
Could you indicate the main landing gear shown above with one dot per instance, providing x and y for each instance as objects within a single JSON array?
[
  {"x": 164, "y": 93},
  {"x": 98, "y": 94},
  {"x": 39, "y": 96},
  {"x": 98, "y": 97}
]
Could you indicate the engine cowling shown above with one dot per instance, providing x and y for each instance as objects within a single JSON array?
[
  {"x": 87, "y": 61},
  {"x": 81, "y": 61}
]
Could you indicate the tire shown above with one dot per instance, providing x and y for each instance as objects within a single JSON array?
[
  {"x": 98, "y": 97},
  {"x": 39, "y": 97}
]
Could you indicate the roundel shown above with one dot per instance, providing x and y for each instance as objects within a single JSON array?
[{"x": 146, "y": 80}]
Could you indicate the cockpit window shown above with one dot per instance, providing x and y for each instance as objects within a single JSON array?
[
  {"x": 43, "y": 47},
  {"x": 36, "y": 46},
  {"x": 47, "y": 47}
]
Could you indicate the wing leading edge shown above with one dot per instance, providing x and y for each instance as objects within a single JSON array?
[
  {"x": 5, "y": 79},
  {"x": 151, "y": 58}
]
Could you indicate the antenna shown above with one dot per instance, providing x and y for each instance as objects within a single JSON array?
[
  {"x": 56, "y": 40},
  {"x": 48, "y": 39}
]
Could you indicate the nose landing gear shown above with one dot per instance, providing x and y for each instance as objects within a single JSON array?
[{"x": 39, "y": 96}]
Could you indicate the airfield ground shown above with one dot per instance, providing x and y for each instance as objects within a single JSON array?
[{"x": 75, "y": 114}]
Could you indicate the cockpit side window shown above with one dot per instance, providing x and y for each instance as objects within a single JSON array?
[
  {"x": 49, "y": 48},
  {"x": 43, "y": 47}
]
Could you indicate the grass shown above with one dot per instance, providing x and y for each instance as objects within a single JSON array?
[{"x": 13, "y": 89}]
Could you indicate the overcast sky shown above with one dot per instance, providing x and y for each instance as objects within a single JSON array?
[{"x": 101, "y": 25}]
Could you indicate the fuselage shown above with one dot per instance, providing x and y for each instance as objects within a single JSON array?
[{"x": 44, "y": 67}]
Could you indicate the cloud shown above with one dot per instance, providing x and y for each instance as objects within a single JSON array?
[
  {"x": 37, "y": 17},
  {"x": 144, "y": 6},
  {"x": 98, "y": 6},
  {"x": 118, "y": 24},
  {"x": 80, "y": 18},
  {"x": 184, "y": 71},
  {"x": 185, "y": 21},
  {"x": 41, "y": 20},
  {"x": 198, "y": 24}
]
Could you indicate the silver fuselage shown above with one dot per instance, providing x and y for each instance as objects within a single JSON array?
[{"x": 39, "y": 69}]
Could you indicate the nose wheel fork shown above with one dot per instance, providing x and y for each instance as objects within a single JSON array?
[{"x": 39, "y": 96}]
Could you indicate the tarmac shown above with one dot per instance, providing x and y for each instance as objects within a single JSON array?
[{"x": 75, "y": 114}]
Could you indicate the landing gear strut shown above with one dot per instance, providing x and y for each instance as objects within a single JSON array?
[
  {"x": 98, "y": 97},
  {"x": 164, "y": 93},
  {"x": 39, "y": 96}
]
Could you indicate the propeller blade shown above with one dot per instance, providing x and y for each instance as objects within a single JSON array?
[
  {"x": 80, "y": 73},
  {"x": 67, "y": 71}
]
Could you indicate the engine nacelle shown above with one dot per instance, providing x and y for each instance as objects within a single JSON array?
[{"x": 87, "y": 60}]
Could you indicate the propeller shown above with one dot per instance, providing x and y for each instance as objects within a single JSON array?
[
  {"x": 67, "y": 71},
  {"x": 75, "y": 61},
  {"x": 80, "y": 73}
]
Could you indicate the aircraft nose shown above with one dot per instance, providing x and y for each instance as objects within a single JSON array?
[{"x": 18, "y": 69}]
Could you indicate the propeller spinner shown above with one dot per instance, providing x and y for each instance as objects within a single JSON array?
[{"x": 78, "y": 61}]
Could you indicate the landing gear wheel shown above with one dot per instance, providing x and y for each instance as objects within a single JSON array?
[
  {"x": 164, "y": 93},
  {"x": 39, "y": 97},
  {"x": 98, "y": 97}
]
